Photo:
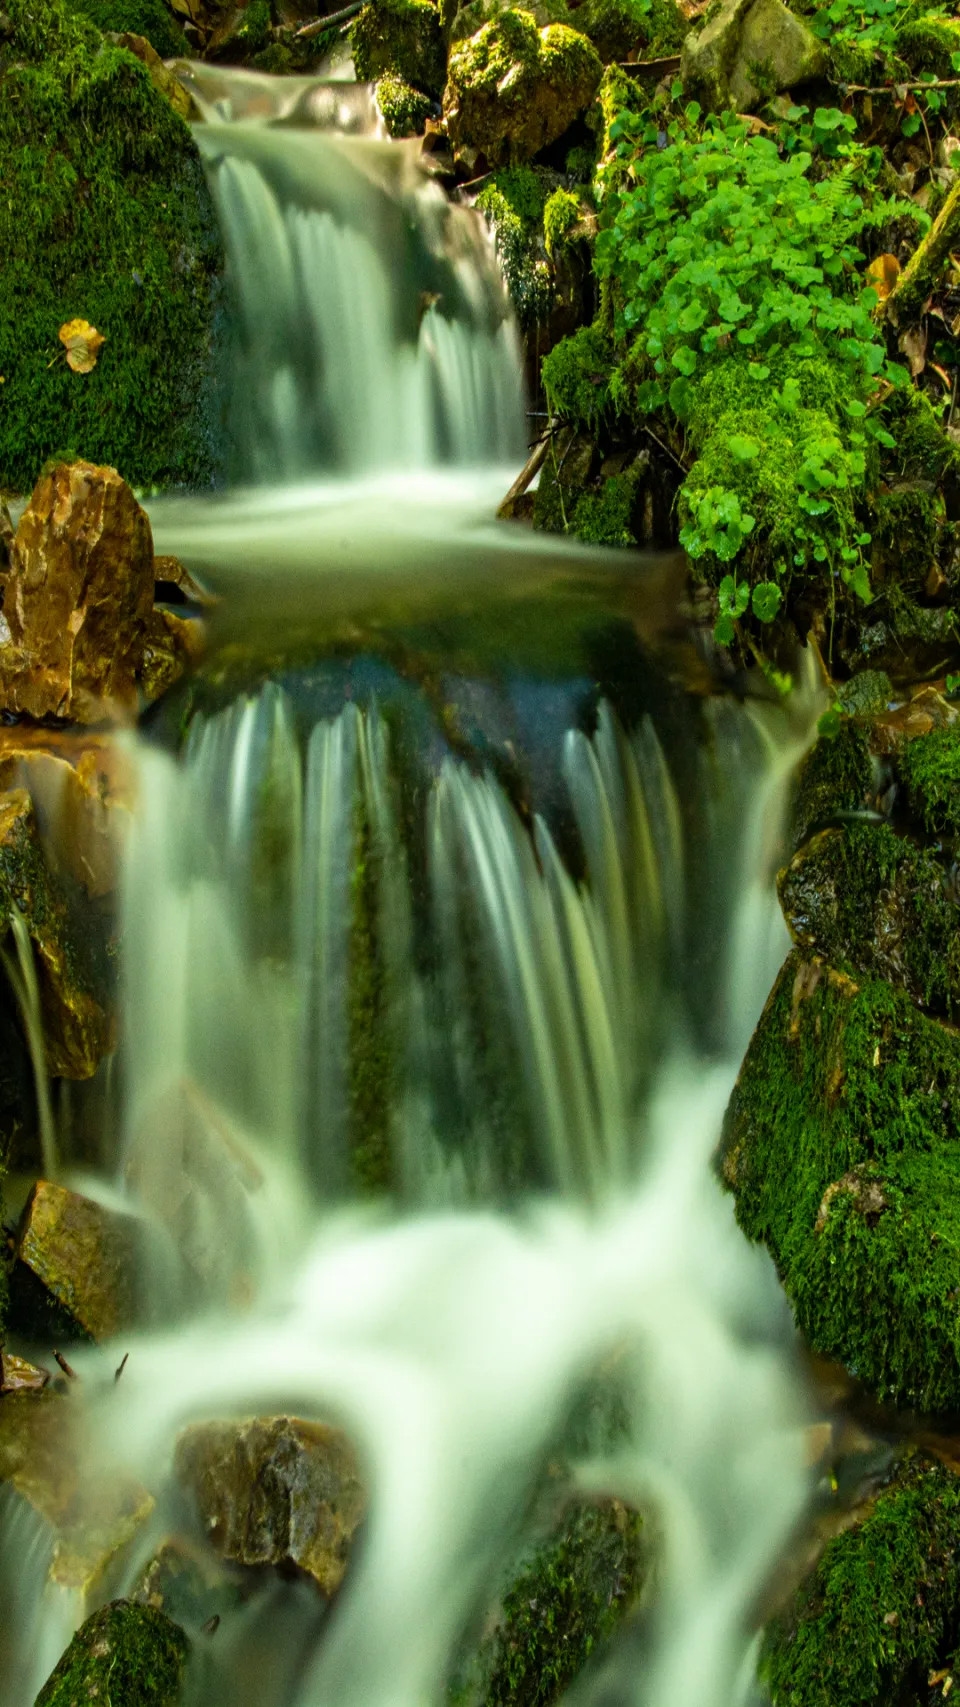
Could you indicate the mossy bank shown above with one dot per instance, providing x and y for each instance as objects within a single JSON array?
[{"x": 104, "y": 217}]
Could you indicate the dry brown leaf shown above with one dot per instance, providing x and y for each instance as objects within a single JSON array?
[
  {"x": 914, "y": 346},
  {"x": 83, "y": 344},
  {"x": 883, "y": 274}
]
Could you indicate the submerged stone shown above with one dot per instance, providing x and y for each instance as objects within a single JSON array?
[
  {"x": 512, "y": 89},
  {"x": 77, "y": 598},
  {"x": 841, "y": 1145},
  {"x": 124, "y": 1656},
  {"x": 184, "y": 1582},
  {"x": 275, "y": 1491},
  {"x": 77, "y": 1258}
]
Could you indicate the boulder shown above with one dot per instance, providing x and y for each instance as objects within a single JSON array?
[
  {"x": 126, "y": 1656},
  {"x": 749, "y": 49},
  {"x": 404, "y": 110},
  {"x": 77, "y": 598},
  {"x": 75, "y": 1266},
  {"x": 841, "y": 1145},
  {"x": 617, "y": 28},
  {"x": 513, "y": 88},
  {"x": 275, "y": 1491},
  {"x": 400, "y": 38},
  {"x": 182, "y": 1580},
  {"x": 71, "y": 959}
]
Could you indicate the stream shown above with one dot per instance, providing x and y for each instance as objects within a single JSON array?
[{"x": 445, "y": 929}]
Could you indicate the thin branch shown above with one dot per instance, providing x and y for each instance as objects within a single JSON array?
[
  {"x": 898, "y": 89},
  {"x": 320, "y": 24},
  {"x": 665, "y": 448}
]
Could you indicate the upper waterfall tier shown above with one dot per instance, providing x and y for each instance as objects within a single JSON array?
[{"x": 371, "y": 326}]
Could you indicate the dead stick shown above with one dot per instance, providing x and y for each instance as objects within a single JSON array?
[
  {"x": 64, "y": 1365},
  {"x": 898, "y": 89},
  {"x": 320, "y": 24},
  {"x": 118, "y": 1372},
  {"x": 532, "y": 466}
]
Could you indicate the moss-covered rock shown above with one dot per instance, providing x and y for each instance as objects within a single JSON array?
[
  {"x": 746, "y": 47},
  {"x": 125, "y": 1655},
  {"x": 514, "y": 202},
  {"x": 878, "y": 1614},
  {"x": 149, "y": 18},
  {"x": 930, "y": 767},
  {"x": 512, "y": 89},
  {"x": 400, "y": 38},
  {"x": 842, "y": 1144},
  {"x": 76, "y": 1265},
  {"x": 869, "y": 901},
  {"x": 565, "y": 1599},
  {"x": 104, "y": 216},
  {"x": 835, "y": 777},
  {"x": 616, "y": 28},
  {"x": 404, "y": 109}
]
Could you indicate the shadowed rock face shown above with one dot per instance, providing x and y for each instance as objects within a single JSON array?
[
  {"x": 82, "y": 1255},
  {"x": 275, "y": 1491},
  {"x": 78, "y": 596}
]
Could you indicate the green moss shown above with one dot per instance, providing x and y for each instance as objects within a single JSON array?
[
  {"x": 603, "y": 518},
  {"x": 559, "y": 217},
  {"x": 124, "y": 1656},
  {"x": 566, "y": 1599},
  {"x": 930, "y": 767},
  {"x": 869, "y": 901},
  {"x": 879, "y": 1611},
  {"x": 514, "y": 202},
  {"x": 104, "y": 214},
  {"x": 400, "y": 38},
  {"x": 576, "y": 377},
  {"x": 405, "y": 111},
  {"x": 560, "y": 56},
  {"x": 149, "y": 18},
  {"x": 369, "y": 1022},
  {"x": 252, "y": 34},
  {"x": 836, "y": 776},
  {"x": 842, "y": 1145},
  {"x": 928, "y": 44}
]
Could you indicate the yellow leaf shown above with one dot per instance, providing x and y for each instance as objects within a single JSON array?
[
  {"x": 83, "y": 344},
  {"x": 882, "y": 274}
]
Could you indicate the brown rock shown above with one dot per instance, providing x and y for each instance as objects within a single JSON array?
[
  {"x": 82, "y": 1258},
  {"x": 81, "y": 790},
  {"x": 77, "y": 598},
  {"x": 19, "y": 1376},
  {"x": 170, "y": 570},
  {"x": 174, "y": 644},
  {"x": 275, "y": 1491},
  {"x": 72, "y": 971}
]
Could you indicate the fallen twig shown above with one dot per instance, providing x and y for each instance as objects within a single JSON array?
[
  {"x": 317, "y": 27},
  {"x": 64, "y": 1365},
  {"x": 118, "y": 1372},
  {"x": 531, "y": 467},
  {"x": 666, "y": 449},
  {"x": 898, "y": 89}
]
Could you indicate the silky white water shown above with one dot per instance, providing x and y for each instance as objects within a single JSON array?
[{"x": 426, "y": 1051}]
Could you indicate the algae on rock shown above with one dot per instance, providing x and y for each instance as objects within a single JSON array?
[
  {"x": 124, "y": 1656},
  {"x": 400, "y": 38},
  {"x": 104, "y": 214}
]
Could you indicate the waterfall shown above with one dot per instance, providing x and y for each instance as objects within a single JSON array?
[
  {"x": 446, "y": 916},
  {"x": 372, "y": 327}
]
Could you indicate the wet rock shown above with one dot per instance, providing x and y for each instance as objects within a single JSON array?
[
  {"x": 880, "y": 1604},
  {"x": 275, "y": 1491},
  {"x": 125, "y": 1656},
  {"x": 512, "y": 89},
  {"x": 400, "y": 38},
  {"x": 77, "y": 598},
  {"x": 173, "y": 645},
  {"x": 869, "y": 901},
  {"x": 161, "y": 77},
  {"x": 835, "y": 779},
  {"x": 404, "y": 110},
  {"x": 170, "y": 573},
  {"x": 746, "y": 44},
  {"x": 19, "y": 1376},
  {"x": 75, "y": 1262},
  {"x": 81, "y": 790},
  {"x": 182, "y": 1581},
  {"x": 841, "y": 1144},
  {"x": 73, "y": 974}
]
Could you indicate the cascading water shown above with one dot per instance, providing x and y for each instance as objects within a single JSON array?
[{"x": 430, "y": 1017}]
